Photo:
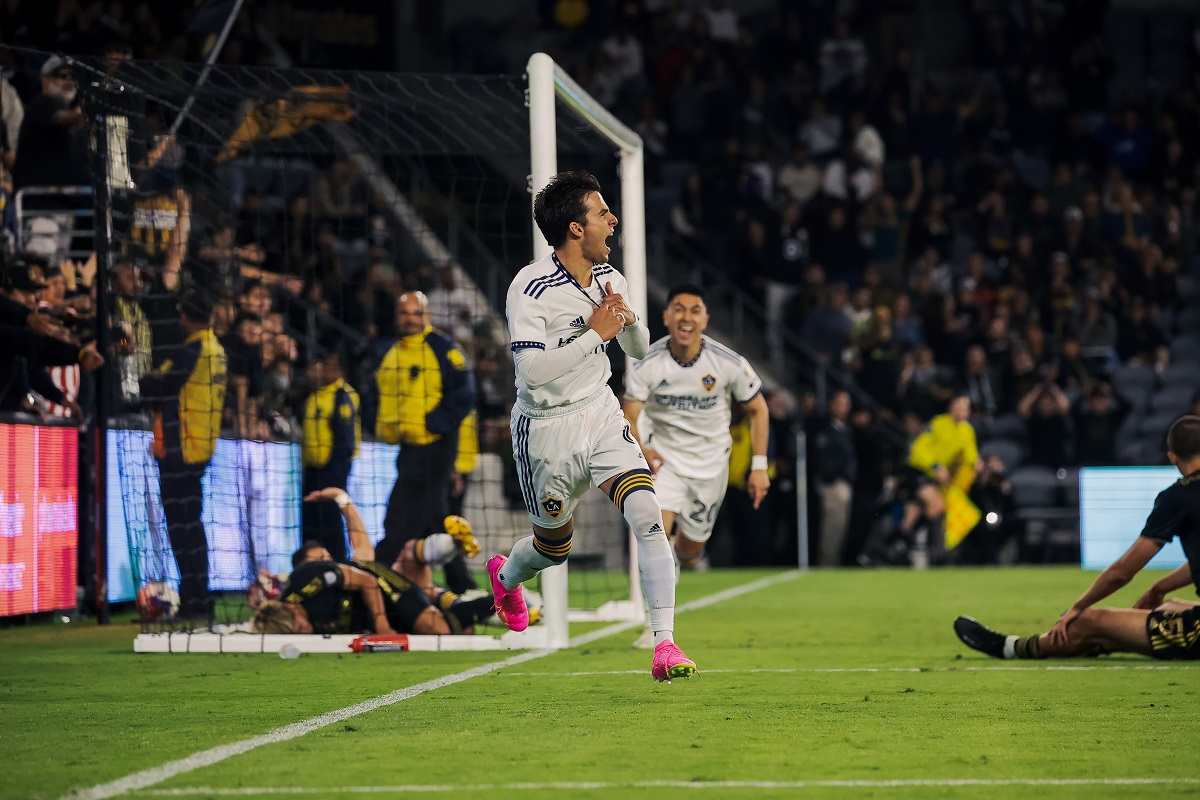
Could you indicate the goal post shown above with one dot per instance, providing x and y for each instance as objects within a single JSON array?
[{"x": 548, "y": 86}]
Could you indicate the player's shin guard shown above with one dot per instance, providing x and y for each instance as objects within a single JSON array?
[
  {"x": 655, "y": 561},
  {"x": 530, "y": 556}
]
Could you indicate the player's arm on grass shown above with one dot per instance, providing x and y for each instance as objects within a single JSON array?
[
  {"x": 1114, "y": 577},
  {"x": 1157, "y": 593},
  {"x": 365, "y": 584},
  {"x": 760, "y": 433}
]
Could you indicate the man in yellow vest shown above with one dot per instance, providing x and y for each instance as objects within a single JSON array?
[
  {"x": 426, "y": 390},
  {"x": 332, "y": 433},
  {"x": 187, "y": 392}
]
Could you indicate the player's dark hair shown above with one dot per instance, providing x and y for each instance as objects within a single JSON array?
[
  {"x": 301, "y": 555},
  {"x": 685, "y": 288},
  {"x": 563, "y": 202},
  {"x": 1183, "y": 439}
]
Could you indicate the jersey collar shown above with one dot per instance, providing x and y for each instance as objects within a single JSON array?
[{"x": 690, "y": 363}]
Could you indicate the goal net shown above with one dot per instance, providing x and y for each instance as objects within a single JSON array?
[{"x": 299, "y": 204}]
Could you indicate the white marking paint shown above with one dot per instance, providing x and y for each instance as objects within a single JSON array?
[
  {"x": 814, "y": 670},
  {"x": 612, "y": 786},
  {"x": 205, "y": 758}
]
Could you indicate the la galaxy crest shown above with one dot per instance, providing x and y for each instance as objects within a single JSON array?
[
  {"x": 552, "y": 506},
  {"x": 709, "y": 381}
]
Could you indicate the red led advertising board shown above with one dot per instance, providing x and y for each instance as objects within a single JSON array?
[{"x": 39, "y": 520}]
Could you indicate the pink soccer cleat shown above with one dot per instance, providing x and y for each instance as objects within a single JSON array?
[
  {"x": 670, "y": 662},
  {"x": 510, "y": 603}
]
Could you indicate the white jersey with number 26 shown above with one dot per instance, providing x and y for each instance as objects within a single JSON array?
[{"x": 687, "y": 405}]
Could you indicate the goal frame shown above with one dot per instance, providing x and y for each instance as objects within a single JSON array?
[{"x": 549, "y": 84}]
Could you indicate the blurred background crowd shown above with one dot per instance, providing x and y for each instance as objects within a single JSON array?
[{"x": 1020, "y": 226}]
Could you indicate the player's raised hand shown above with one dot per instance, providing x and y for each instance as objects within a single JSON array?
[
  {"x": 607, "y": 321},
  {"x": 757, "y": 485},
  {"x": 618, "y": 301}
]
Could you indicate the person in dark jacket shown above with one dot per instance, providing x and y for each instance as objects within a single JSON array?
[
  {"x": 332, "y": 432},
  {"x": 836, "y": 467}
]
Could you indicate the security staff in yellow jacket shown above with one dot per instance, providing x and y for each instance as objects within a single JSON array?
[
  {"x": 332, "y": 434},
  {"x": 187, "y": 393},
  {"x": 426, "y": 389},
  {"x": 944, "y": 455}
]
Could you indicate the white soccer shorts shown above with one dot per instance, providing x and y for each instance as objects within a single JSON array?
[
  {"x": 695, "y": 501},
  {"x": 563, "y": 452}
]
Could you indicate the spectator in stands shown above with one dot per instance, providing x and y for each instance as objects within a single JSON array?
[
  {"x": 1070, "y": 370},
  {"x": 992, "y": 494},
  {"x": 1140, "y": 339},
  {"x": 50, "y": 141},
  {"x": 12, "y": 112},
  {"x": 340, "y": 191},
  {"x": 981, "y": 386},
  {"x": 187, "y": 395},
  {"x": 837, "y": 469},
  {"x": 134, "y": 345},
  {"x": 1045, "y": 410},
  {"x": 426, "y": 389},
  {"x": 827, "y": 329},
  {"x": 244, "y": 353},
  {"x": 451, "y": 307},
  {"x": 880, "y": 360},
  {"x": 331, "y": 437},
  {"x": 800, "y": 179},
  {"x": 1096, "y": 418}
]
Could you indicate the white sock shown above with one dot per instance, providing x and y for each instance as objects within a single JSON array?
[
  {"x": 1010, "y": 646},
  {"x": 655, "y": 561},
  {"x": 523, "y": 563},
  {"x": 438, "y": 548},
  {"x": 662, "y": 636}
]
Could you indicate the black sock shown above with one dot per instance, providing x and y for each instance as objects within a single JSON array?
[
  {"x": 1029, "y": 647},
  {"x": 471, "y": 612}
]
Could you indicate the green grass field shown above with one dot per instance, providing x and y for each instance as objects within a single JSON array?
[{"x": 845, "y": 685}]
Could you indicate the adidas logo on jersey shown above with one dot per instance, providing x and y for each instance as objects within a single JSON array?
[
  {"x": 662, "y": 383},
  {"x": 578, "y": 322},
  {"x": 655, "y": 528}
]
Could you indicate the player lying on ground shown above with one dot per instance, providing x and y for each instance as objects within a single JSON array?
[
  {"x": 682, "y": 390},
  {"x": 568, "y": 433},
  {"x": 1168, "y": 629},
  {"x": 323, "y": 596}
]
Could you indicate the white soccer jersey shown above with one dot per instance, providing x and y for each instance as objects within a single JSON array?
[
  {"x": 547, "y": 308},
  {"x": 687, "y": 405}
]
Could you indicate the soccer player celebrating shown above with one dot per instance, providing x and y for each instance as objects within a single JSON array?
[
  {"x": 684, "y": 385},
  {"x": 1166, "y": 630},
  {"x": 568, "y": 432}
]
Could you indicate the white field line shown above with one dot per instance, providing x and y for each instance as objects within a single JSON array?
[
  {"x": 204, "y": 758},
  {"x": 612, "y": 786},
  {"x": 1183, "y": 665}
]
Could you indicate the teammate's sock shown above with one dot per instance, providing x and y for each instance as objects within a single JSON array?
[
  {"x": 436, "y": 549},
  {"x": 1028, "y": 647},
  {"x": 467, "y": 613},
  {"x": 525, "y": 561},
  {"x": 689, "y": 564},
  {"x": 655, "y": 561}
]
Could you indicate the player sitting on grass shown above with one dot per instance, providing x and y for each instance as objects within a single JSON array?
[
  {"x": 1167, "y": 630},
  {"x": 323, "y": 596}
]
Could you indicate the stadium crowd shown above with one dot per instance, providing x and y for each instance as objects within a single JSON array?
[{"x": 1022, "y": 230}]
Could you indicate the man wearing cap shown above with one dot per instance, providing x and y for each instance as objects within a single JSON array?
[
  {"x": 187, "y": 392},
  {"x": 52, "y": 120}
]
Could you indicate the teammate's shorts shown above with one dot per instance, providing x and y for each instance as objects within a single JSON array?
[
  {"x": 695, "y": 501},
  {"x": 1174, "y": 635},
  {"x": 562, "y": 452}
]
